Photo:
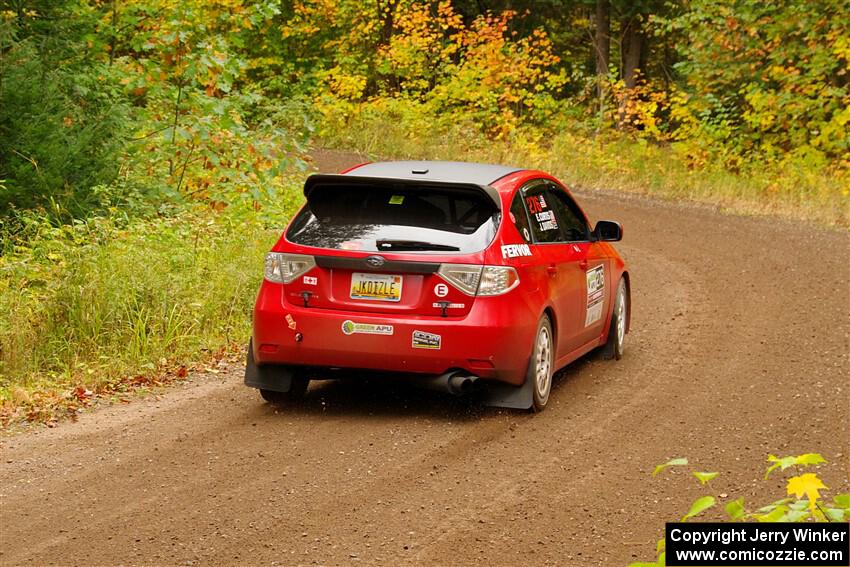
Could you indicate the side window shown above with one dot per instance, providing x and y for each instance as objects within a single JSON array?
[
  {"x": 544, "y": 224},
  {"x": 573, "y": 225},
  {"x": 519, "y": 217}
]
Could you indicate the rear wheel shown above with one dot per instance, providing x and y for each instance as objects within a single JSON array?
[
  {"x": 541, "y": 365},
  {"x": 615, "y": 344}
]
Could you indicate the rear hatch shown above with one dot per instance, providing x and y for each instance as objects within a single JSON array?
[{"x": 391, "y": 246}]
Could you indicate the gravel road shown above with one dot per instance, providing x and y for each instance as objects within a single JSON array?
[{"x": 739, "y": 348}]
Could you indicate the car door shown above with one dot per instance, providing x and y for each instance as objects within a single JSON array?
[
  {"x": 558, "y": 260},
  {"x": 587, "y": 263}
]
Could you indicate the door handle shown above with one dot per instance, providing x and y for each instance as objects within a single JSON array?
[
  {"x": 552, "y": 269},
  {"x": 582, "y": 264}
]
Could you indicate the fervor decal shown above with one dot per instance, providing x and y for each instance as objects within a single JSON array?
[{"x": 514, "y": 250}]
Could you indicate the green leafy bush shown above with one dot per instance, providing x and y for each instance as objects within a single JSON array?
[
  {"x": 62, "y": 122},
  {"x": 803, "y": 504},
  {"x": 765, "y": 79}
]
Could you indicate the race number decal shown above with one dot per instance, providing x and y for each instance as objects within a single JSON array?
[
  {"x": 540, "y": 210},
  {"x": 595, "y": 294}
]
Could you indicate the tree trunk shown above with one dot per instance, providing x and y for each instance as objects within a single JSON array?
[
  {"x": 386, "y": 12},
  {"x": 602, "y": 39},
  {"x": 113, "y": 32},
  {"x": 632, "y": 47},
  {"x": 633, "y": 43},
  {"x": 386, "y": 15},
  {"x": 601, "y": 51}
]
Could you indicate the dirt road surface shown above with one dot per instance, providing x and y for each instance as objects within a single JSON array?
[{"x": 739, "y": 348}]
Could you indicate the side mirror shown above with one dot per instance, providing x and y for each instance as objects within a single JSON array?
[{"x": 608, "y": 231}]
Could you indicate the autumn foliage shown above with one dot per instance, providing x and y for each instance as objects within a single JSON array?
[{"x": 211, "y": 100}]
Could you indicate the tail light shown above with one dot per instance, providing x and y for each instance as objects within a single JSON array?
[
  {"x": 465, "y": 277},
  {"x": 285, "y": 268},
  {"x": 496, "y": 280},
  {"x": 480, "y": 280}
]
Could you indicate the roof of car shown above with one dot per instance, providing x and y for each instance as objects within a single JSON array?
[{"x": 441, "y": 171}]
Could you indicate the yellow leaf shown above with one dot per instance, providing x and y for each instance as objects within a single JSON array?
[{"x": 807, "y": 484}]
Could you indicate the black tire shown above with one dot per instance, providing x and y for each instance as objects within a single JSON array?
[
  {"x": 541, "y": 364},
  {"x": 296, "y": 391},
  {"x": 615, "y": 344}
]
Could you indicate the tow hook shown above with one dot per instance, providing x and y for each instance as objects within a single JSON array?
[{"x": 305, "y": 295}]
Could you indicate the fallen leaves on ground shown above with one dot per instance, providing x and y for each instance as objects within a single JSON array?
[{"x": 50, "y": 406}]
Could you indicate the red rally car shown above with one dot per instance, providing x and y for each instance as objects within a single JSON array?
[{"x": 453, "y": 274}]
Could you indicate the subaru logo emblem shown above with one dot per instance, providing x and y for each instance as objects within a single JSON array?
[{"x": 375, "y": 261}]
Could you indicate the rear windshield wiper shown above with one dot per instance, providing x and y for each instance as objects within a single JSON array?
[{"x": 413, "y": 245}]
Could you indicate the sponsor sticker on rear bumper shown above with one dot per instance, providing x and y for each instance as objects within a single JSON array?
[
  {"x": 350, "y": 328},
  {"x": 421, "y": 339}
]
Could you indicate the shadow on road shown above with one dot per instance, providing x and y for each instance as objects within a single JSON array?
[
  {"x": 380, "y": 398},
  {"x": 397, "y": 398}
]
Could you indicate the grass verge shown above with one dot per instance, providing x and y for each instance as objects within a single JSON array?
[{"x": 100, "y": 307}]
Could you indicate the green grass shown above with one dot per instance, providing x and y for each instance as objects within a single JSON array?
[
  {"x": 99, "y": 306},
  {"x": 612, "y": 162}
]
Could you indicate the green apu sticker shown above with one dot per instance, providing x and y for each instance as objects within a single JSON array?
[{"x": 396, "y": 199}]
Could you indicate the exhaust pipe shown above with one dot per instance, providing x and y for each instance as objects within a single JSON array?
[{"x": 454, "y": 382}]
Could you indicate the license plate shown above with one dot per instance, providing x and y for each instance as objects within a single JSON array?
[{"x": 376, "y": 287}]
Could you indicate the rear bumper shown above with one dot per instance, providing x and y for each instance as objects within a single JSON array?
[{"x": 492, "y": 341}]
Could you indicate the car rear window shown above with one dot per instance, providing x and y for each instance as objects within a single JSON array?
[{"x": 405, "y": 218}]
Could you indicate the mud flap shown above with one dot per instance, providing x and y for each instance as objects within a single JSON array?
[
  {"x": 275, "y": 378},
  {"x": 501, "y": 395}
]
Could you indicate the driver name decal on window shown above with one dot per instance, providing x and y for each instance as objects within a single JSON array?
[
  {"x": 595, "y": 294},
  {"x": 547, "y": 220}
]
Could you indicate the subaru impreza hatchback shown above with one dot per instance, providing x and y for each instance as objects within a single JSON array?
[{"x": 453, "y": 275}]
